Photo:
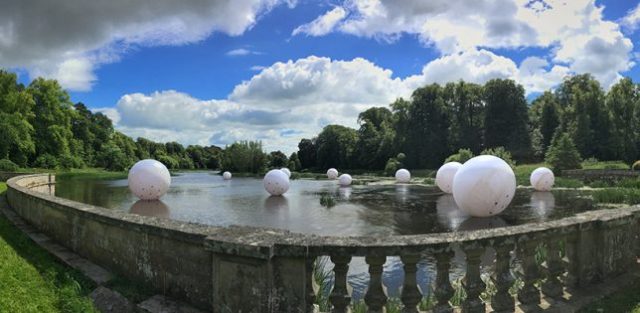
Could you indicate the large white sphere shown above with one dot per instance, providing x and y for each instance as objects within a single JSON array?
[
  {"x": 332, "y": 173},
  {"x": 149, "y": 179},
  {"x": 542, "y": 179},
  {"x": 484, "y": 186},
  {"x": 286, "y": 171},
  {"x": 445, "y": 174},
  {"x": 403, "y": 176},
  {"x": 276, "y": 182},
  {"x": 226, "y": 175},
  {"x": 345, "y": 180}
]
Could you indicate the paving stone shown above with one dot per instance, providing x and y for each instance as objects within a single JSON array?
[
  {"x": 162, "y": 304},
  {"x": 109, "y": 301}
]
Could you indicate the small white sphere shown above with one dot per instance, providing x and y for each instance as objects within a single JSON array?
[
  {"x": 286, "y": 171},
  {"x": 445, "y": 174},
  {"x": 542, "y": 179},
  {"x": 149, "y": 179},
  {"x": 226, "y": 175},
  {"x": 276, "y": 182},
  {"x": 484, "y": 186},
  {"x": 345, "y": 180},
  {"x": 332, "y": 173},
  {"x": 403, "y": 176}
]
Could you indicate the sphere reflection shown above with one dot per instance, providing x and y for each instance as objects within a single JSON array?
[
  {"x": 449, "y": 215},
  {"x": 542, "y": 203}
]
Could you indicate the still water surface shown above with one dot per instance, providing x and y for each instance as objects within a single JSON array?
[{"x": 322, "y": 207}]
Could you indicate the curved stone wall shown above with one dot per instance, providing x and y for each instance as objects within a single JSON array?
[{"x": 245, "y": 269}]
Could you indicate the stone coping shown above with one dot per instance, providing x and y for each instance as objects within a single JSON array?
[{"x": 266, "y": 243}]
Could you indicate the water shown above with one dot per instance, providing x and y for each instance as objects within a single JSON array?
[
  {"x": 324, "y": 208},
  {"x": 319, "y": 207}
]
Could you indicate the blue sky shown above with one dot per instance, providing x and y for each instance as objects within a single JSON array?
[{"x": 278, "y": 71}]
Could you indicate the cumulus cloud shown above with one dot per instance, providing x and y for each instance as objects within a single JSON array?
[
  {"x": 323, "y": 24},
  {"x": 68, "y": 39},
  {"x": 576, "y": 32},
  {"x": 632, "y": 20}
]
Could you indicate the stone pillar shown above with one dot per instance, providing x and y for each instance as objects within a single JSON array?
[
  {"x": 502, "y": 301},
  {"x": 339, "y": 297},
  {"x": 529, "y": 295},
  {"x": 411, "y": 295},
  {"x": 375, "y": 297},
  {"x": 472, "y": 283},
  {"x": 552, "y": 287},
  {"x": 443, "y": 289}
]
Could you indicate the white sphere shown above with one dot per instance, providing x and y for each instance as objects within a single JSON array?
[
  {"x": 542, "y": 179},
  {"x": 345, "y": 180},
  {"x": 403, "y": 176},
  {"x": 226, "y": 175},
  {"x": 484, "y": 186},
  {"x": 276, "y": 182},
  {"x": 286, "y": 171},
  {"x": 332, "y": 173},
  {"x": 445, "y": 174},
  {"x": 149, "y": 179}
]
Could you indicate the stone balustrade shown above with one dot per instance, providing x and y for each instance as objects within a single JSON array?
[{"x": 532, "y": 267}]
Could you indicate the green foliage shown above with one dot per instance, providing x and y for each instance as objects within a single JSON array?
[
  {"x": 294, "y": 162},
  {"x": 168, "y": 161},
  {"x": 376, "y": 138},
  {"x": 563, "y": 154},
  {"x": 69, "y": 162},
  {"x": 46, "y": 161},
  {"x": 307, "y": 153},
  {"x": 463, "y": 155},
  {"x": 244, "y": 156},
  {"x": 391, "y": 167},
  {"x": 623, "y": 101},
  {"x": 617, "y": 195},
  {"x": 7, "y": 166},
  {"x": 502, "y": 153},
  {"x": 636, "y": 166},
  {"x": 336, "y": 147},
  {"x": 277, "y": 159},
  {"x": 466, "y": 106}
]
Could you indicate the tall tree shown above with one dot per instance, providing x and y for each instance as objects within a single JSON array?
[
  {"x": 376, "y": 138},
  {"x": 466, "y": 105},
  {"x": 336, "y": 146},
  {"x": 545, "y": 117},
  {"x": 307, "y": 153},
  {"x": 506, "y": 117},
  {"x": 16, "y": 107},
  {"x": 428, "y": 128},
  {"x": 623, "y": 101}
]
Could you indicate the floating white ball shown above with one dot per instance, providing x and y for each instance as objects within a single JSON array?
[
  {"x": 542, "y": 179},
  {"x": 484, "y": 186},
  {"x": 345, "y": 180},
  {"x": 445, "y": 174},
  {"x": 149, "y": 179},
  {"x": 332, "y": 173},
  {"x": 286, "y": 171},
  {"x": 276, "y": 182},
  {"x": 226, "y": 175},
  {"x": 403, "y": 176}
]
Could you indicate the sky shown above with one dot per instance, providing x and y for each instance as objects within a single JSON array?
[{"x": 217, "y": 71}]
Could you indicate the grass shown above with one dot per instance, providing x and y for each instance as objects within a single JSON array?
[
  {"x": 617, "y": 195},
  {"x": 31, "y": 280},
  {"x": 627, "y": 300}
]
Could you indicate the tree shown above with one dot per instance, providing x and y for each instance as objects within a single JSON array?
[
  {"x": 428, "y": 128},
  {"x": 463, "y": 155},
  {"x": 623, "y": 101},
  {"x": 563, "y": 153},
  {"x": 500, "y": 152},
  {"x": 307, "y": 153},
  {"x": 277, "y": 159},
  {"x": 336, "y": 145},
  {"x": 376, "y": 138},
  {"x": 466, "y": 107},
  {"x": 506, "y": 120},
  {"x": 545, "y": 117},
  {"x": 400, "y": 109},
  {"x": 16, "y": 105},
  {"x": 294, "y": 162},
  {"x": 244, "y": 156}
]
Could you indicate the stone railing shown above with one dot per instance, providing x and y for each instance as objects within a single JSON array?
[
  {"x": 607, "y": 175},
  {"x": 244, "y": 269}
]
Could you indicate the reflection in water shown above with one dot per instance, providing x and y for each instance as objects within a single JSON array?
[
  {"x": 475, "y": 223},
  {"x": 542, "y": 203},
  {"x": 449, "y": 215},
  {"x": 154, "y": 208},
  {"x": 320, "y": 207}
]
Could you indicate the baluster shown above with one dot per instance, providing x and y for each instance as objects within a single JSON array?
[
  {"x": 411, "y": 295},
  {"x": 443, "y": 289},
  {"x": 339, "y": 297},
  {"x": 472, "y": 283},
  {"x": 529, "y": 296},
  {"x": 502, "y": 301},
  {"x": 375, "y": 297},
  {"x": 552, "y": 287},
  {"x": 571, "y": 280},
  {"x": 311, "y": 293}
]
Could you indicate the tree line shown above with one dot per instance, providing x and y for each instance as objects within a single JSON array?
[{"x": 440, "y": 120}]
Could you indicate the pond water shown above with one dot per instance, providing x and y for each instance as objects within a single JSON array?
[
  {"x": 323, "y": 207},
  {"x": 319, "y": 207}
]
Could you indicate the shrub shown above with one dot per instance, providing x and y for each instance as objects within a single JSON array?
[
  {"x": 391, "y": 167},
  {"x": 462, "y": 156},
  {"x": 68, "y": 162},
  {"x": 502, "y": 153},
  {"x": 7, "y": 166},
  {"x": 636, "y": 166},
  {"x": 563, "y": 154},
  {"x": 46, "y": 161}
]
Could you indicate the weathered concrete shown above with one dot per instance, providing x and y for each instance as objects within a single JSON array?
[
  {"x": 109, "y": 301},
  {"x": 161, "y": 304},
  {"x": 246, "y": 269}
]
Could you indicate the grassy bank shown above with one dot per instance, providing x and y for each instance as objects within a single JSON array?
[
  {"x": 31, "y": 280},
  {"x": 627, "y": 300}
]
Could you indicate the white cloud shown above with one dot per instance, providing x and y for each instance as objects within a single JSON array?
[
  {"x": 632, "y": 20},
  {"x": 68, "y": 39},
  {"x": 241, "y": 52},
  {"x": 575, "y": 32},
  {"x": 323, "y": 24}
]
